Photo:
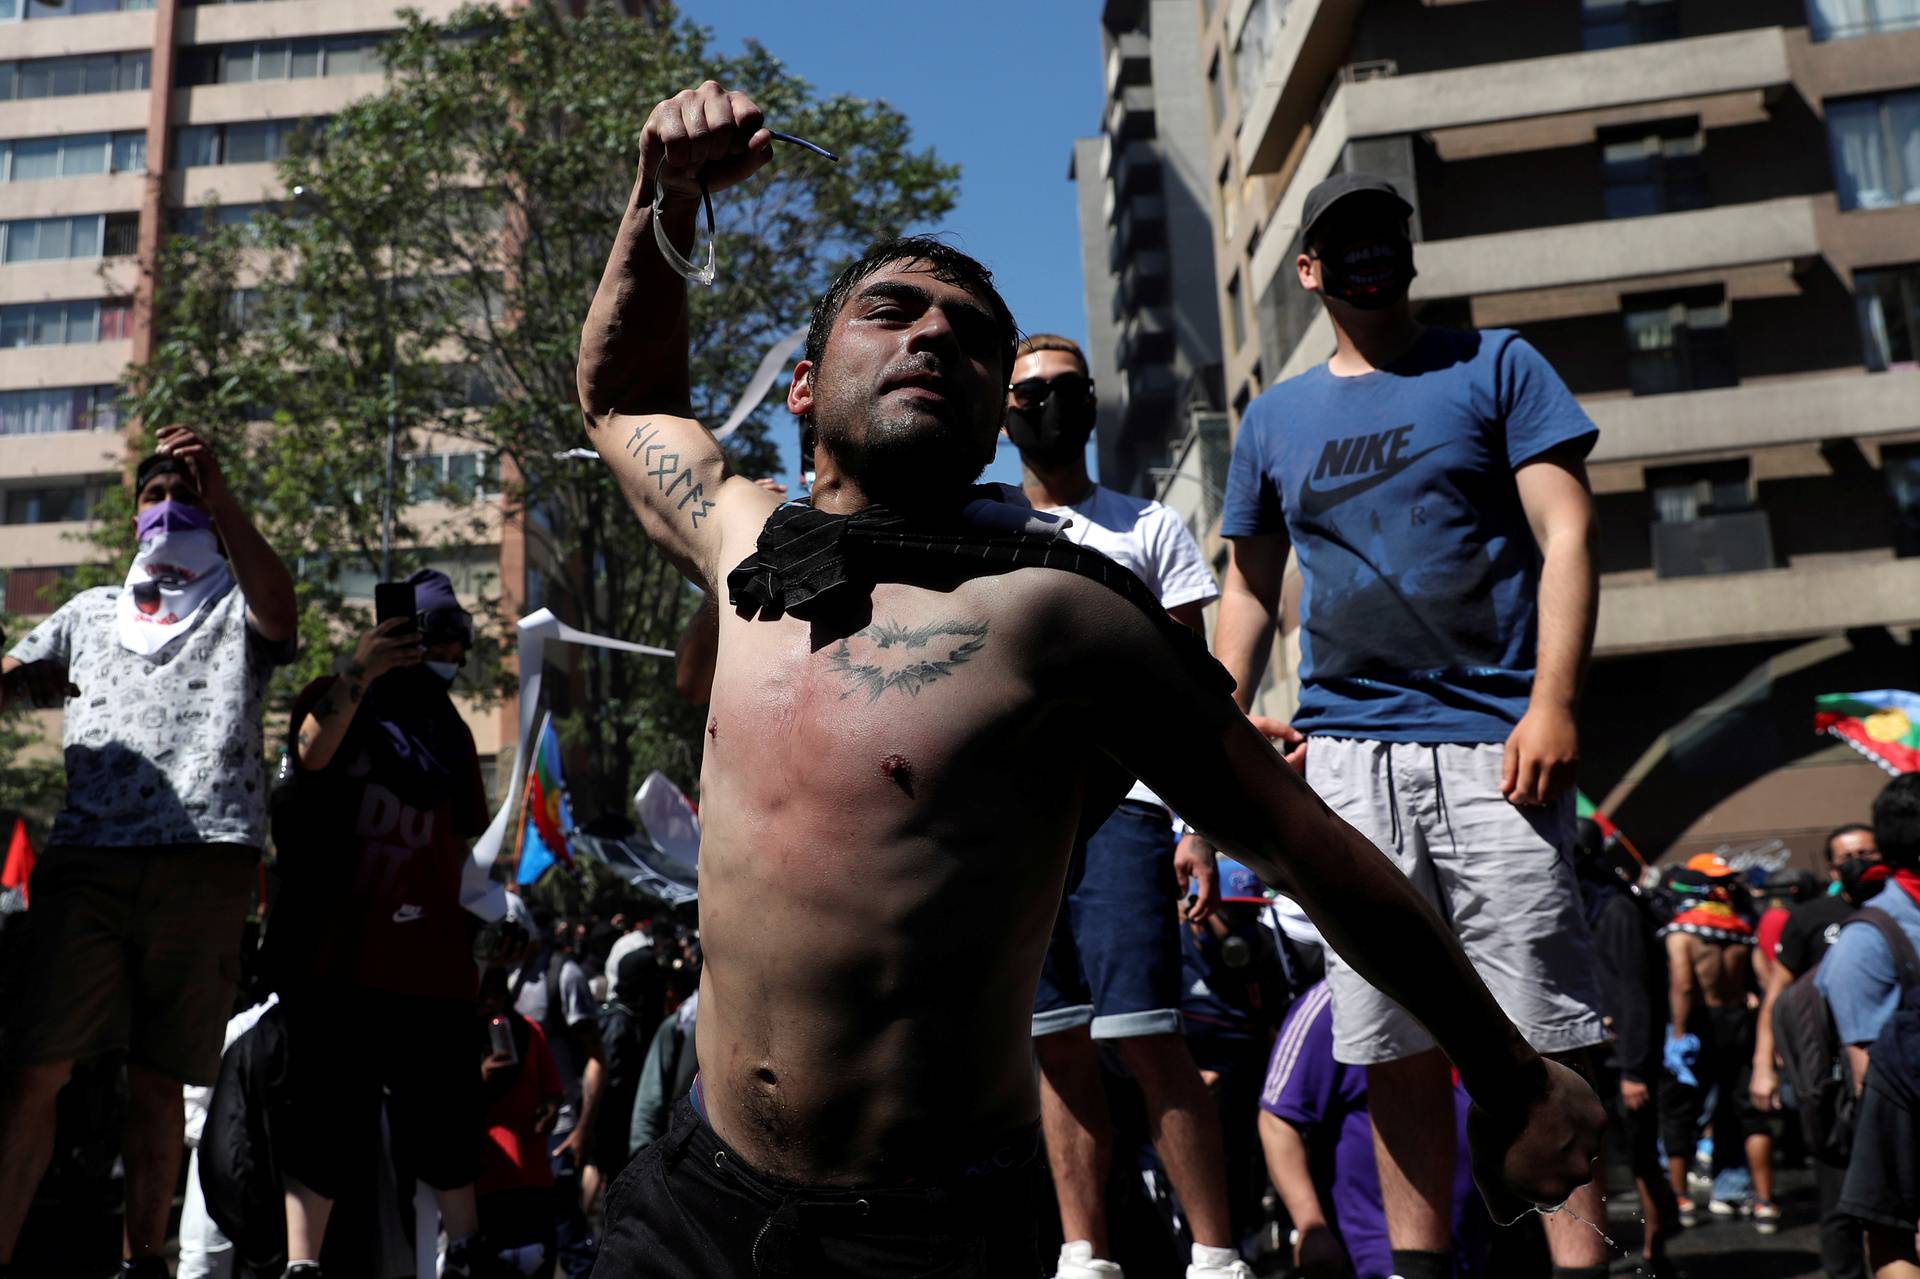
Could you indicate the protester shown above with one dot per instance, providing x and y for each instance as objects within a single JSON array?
[
  {"x": 550, "y": 989},
  {"x": 666, "y": 1076},
  {"x": 1872, "y": 985},
  {"x": 627, "y": 1024},
  {"x": 873, "y": 930},
  {"x": 1112, "y": 973},
  {"x": 377, "y": 948},
  {"x": 522, "y": 1092},
  {"x": 133, "y": 938},
  {"x": 1319, "y": 1145},
  {"x": 1794, "y": 1026},
  {"x": 1633, "y": 972},
  {"x": 1431, "y": 483}
]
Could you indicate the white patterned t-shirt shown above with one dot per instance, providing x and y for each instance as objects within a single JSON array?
[{"x": 166, "y": 749}]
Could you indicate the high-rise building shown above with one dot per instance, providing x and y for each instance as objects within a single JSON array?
[
  {"x": 1147, "y": 246},
  {"x": 118, "y": 120},
  {"x": 1707, "y": 217}
]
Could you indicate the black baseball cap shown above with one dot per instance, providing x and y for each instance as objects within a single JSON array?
[{"x": 1340, "y": 187}]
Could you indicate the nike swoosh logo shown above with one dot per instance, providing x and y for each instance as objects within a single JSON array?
[
  {"x": 1317, "y": 502},
  {"x": 408, "y": 913}
]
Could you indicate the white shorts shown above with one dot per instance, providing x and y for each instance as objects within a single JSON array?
[{"x": 1501, "y": 876}]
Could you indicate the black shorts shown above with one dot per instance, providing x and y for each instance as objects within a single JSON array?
[
  {"x": 1883, "y": 1174},
  {"x": 688, "y": 1207},
  {"x": 343, "y": 1048},
  {"x": 1726, "y": 1058}
]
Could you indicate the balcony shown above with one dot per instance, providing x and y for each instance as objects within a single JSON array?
[
  {"x": 57, "y": 197},
  {"x": 64, "y": 453},
  {"x": 80, "y": 33},
  {"x": 1813, "y": 598},
  {"x": 1142, "y": 225},
  {"x": 219, "y": 24},
  {"x": 1136, "y": 169},
  {"x": 1756, "y": 416},
  {"x": 1567, "y": 84},
  {"x": 1143, "y": 281},
  {"x": 1147, "y": 337},
  {"x": 1131, "y": 114},
  {"x": 1129, "y": 61},
  {"x": 1739, "y": 542},
  {"x": 43, "y": 545}
]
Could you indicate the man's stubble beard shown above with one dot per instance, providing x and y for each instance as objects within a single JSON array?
[{"x": 902, "y": 458}]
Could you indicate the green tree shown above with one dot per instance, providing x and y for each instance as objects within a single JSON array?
[
  {"x": 435, "y": 266},
  {"x": 31, "y": 783}
]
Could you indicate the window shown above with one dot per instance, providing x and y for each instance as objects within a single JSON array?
[
  {"x": 1609, "y": 24},
  {"x": 251, "y": 60},
  {"x": 1683, "y": 494},
  {"x": 247, "y": 142},
  {"x": 79, "y": 154},
  {"x": 434, "y": 477},
  {"x": 53, "y": 504},
  {"x": 1900, "y": 463},
  {"x": 122, "y": 237},
  {"x": 1678, "y": 341},
  {"x": 1216, "y": 92},
  {"x": 1842, "y": 19},
  {"x": 1229, "y": 207},
  {"x": 31, "y": 590},
  {"x": 1253, "y": 49},
  {"x": 1653, "y": 168},
  {"x": 63, "y": 323},
  {"x": 69, "y": 8},
  {"x": 1889, "y": 306},
  {"x": 66, "y": 77},
  {"x": 45, "y": 410},
  {"x": 51, "y": 239},
  {"x": 1876, "y": 150},
  {"x": 1236, "y": 314}
]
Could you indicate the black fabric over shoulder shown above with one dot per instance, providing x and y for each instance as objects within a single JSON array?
[{"x": 817, "y": 565}]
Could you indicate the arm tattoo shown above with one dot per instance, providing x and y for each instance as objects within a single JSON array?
[
  {"x": 326, "y": 708},
  {"x": 888, "y": 655},
  {"x": 355, "y": 669},
  {"x": 354, "y": 689},
  {"x": 666, "y": 472}
]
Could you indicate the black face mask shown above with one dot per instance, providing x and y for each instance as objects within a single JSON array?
[
  {"x": 1372, "y": 283},
  {"x": 1055, "y": 431}
]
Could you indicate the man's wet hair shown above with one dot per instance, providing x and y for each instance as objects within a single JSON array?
[
  {"x": 1896, "y": 822},
  {"x": 1050, "y": 342},
  {"x": 947, "y": 265},
  {"x": 1847, "y": 829}
]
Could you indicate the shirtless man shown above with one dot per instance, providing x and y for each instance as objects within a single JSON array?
[
  {"x": 1710, "y": 1037},
  {"x": 873, "y": 928}
]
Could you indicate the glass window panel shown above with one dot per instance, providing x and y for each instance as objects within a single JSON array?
[
  {"x": 236, "y": 64},
  {"x": 1861, "y": 170},
  {"x": 83, "y": 321},
  {"x": 272, "y": 64},
  {"x": 1838, "y": 19},
  {"x": 133, "y": 69},
  {"x": 36, "y": 79},
  {"x": 1903, "y": 135},
  {"x": 350, "y": 55},
  {"x": 116, "y": 322},
  {"x": 85, "y": 236},
  {"x": 9, "y": 10},
  {"x": 71, "y": 75},
  {"x": 16, "y": 326},
  {"x": 9, "y": 79},
  {"x": 84, "y": 154},
  {"x": 249, "y": 143},
  {"x": 22, "y": 240},
  {"x": 49, "y": 324},
  {"x": 197, "y": 144},
  {"x": 35, "y": 158},
  {"x": 463, "y": 473},
  {"x": 130, "y": 153},
  {"x": 304, "y": 59},
  {"x": 122, "y": 234}
]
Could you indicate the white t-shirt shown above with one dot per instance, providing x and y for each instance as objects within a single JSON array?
[{"x": 1149, "y": 539}]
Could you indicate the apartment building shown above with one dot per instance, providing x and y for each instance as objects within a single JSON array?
[
  {"x": 1146, "y": 237},
  {"x": 1707, "y": 216},
  {"x": 118, "y": 120}
]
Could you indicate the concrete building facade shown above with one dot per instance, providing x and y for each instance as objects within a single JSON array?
[
  {"x": 1707, "y": 217},
  {"x": 118, "y": 119},
  {"x": 1147, "y": 245}
]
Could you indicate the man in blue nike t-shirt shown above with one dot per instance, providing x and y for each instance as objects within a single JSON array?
[{"x": 1432, "y": 483}]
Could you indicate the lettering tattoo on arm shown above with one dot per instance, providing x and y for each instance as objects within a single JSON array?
[
  {"x": 667, "y": 474},
  {"x": 326, "y": 708},
  {"x": 888, "y": 655}
]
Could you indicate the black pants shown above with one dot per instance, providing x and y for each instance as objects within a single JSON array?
[
  {"x": 688, "y": 1207},
  {"x": 1843, "y": 1251},
  {"x": 1726, "y": 1060}
]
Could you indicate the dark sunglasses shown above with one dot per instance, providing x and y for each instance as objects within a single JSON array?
[{"x": 1033, "y": 391}]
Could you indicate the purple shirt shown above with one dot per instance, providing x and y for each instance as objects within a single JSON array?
[{"x": 1327, "y": 1102}]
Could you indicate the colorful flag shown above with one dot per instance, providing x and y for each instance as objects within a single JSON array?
[
  {"x": 549, "y": 818},
  {"x": 1879, "y": 724},
  {"x": 19, "y": 865}
]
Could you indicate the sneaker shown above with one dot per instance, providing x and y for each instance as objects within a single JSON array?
[
  {"x": 1078, "y": 1262},
  {"x": 1237, "y": 1269},
  {"x": 304, "y": 1270},
  {"x": 1766, "y": 1218},
  {"x": 1689, "y": 1211},
  {"x": 143, "y": 1268},
  {"x": 1727, "y": 1208}
]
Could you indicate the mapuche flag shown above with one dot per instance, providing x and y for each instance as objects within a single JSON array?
[{"x": 1883, "y": 725}]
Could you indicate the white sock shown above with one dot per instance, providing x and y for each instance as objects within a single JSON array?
[
  {"x": 1218, "y": 1258},
  {"x": 1077, "y": 1250}
]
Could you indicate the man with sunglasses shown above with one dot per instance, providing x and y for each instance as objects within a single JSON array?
[
  {"x": 1112, "y": 972},
  {"x": 1431, "y": 483},
  {"x": 919, "y": 694}
]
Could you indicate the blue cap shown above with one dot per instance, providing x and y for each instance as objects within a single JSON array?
[{"x": 1238, "y": 884}]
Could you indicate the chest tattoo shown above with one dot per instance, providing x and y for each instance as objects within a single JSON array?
[{"x": 887, "y": 655}]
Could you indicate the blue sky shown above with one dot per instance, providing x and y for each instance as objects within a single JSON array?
[{"x": 1002, "y": 87}]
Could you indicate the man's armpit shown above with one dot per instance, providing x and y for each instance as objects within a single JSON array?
[{"x": 662, "y": 467}]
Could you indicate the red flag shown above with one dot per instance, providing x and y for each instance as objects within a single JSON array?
[{"x": 19, "y": 867}]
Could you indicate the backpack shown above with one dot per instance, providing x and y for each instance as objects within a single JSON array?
[{"x": 1813, "y": 1061}]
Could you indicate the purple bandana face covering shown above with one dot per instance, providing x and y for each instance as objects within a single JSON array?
[{"x": 171, "y": 517}]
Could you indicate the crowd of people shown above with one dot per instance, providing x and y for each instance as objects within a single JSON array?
[{"x": 994, "y": 976}]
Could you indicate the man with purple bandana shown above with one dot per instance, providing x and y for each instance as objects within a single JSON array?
[
  {"x": 1319, "y": 1143},
  {"x": 134, "y": 936}
]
